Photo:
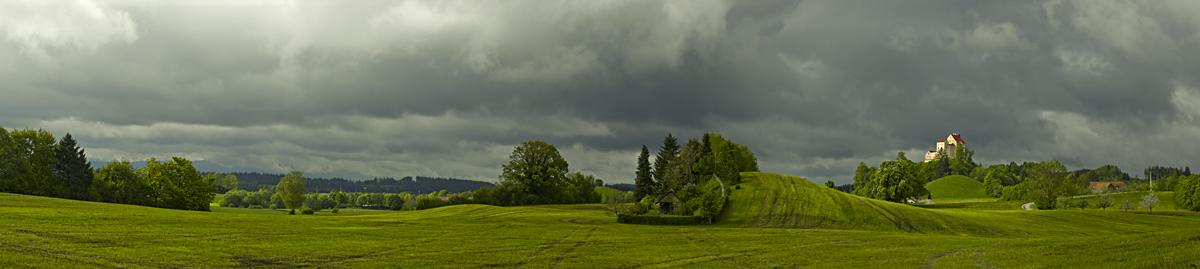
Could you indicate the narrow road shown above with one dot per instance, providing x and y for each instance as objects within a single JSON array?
[{"x": 1027, "y": 206}]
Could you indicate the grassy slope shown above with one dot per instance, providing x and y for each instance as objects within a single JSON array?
[
  {"x": 606, "y": 192},
  {"x": 57, "y": 233},
  {"x": 955, "y": 187},
  {"x": 773, "y": 200}
]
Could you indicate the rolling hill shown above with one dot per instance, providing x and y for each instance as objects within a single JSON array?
[{"x": 955, "y": 187}]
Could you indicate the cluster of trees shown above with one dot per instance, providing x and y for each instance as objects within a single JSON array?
[
  {"x": 1187, "y": 192},
  {"x": 32, "y": 163},
  {"x": 677, "y": 167}
]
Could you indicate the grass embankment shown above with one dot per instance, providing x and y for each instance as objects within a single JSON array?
[
  {"x": 57, "y": 233},
  {"x": 956, "y": 188}
]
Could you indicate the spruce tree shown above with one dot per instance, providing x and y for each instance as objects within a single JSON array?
[
  {"x": 662, "y": 165},
  {"x": 643, "y": 183},
  {"x": 72, "y": 170}
]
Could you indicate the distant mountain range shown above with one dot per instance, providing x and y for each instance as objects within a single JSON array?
[{"x": 252, "y": 179}]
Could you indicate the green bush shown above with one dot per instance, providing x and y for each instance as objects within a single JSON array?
[
  {"x": 292, "y": 212},
  {"x": 335, "y": 210},
  {"x": 273, "y": 207},
  {"x": 307, "y": 211},
  {"x": 255, "y": 207},
  {"x": 661, "y": 219},
  {"x": 1014, "y": 192}
]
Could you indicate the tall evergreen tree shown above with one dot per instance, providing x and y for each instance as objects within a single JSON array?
[
  {"x": 72, "y": 170},
  {"x": 662, "y": 164},
  {"x": 643, "y": 183}
]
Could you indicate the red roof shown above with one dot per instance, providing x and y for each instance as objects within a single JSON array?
[
  {"x": 958, "y": 138},
  {"x": 940, "y": 140}
]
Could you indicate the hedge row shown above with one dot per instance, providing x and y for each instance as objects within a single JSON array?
[{"x": 661, "y": 219}]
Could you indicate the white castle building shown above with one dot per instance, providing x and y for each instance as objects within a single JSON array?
[{"x": 948, "y": 145}]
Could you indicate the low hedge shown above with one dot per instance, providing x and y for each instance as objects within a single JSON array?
[{"x": 662, "y": 219}]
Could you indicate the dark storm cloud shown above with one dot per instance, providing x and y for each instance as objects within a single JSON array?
[{"x": 446, "y": 88}]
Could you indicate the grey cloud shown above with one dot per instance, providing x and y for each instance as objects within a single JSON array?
[{"x": 446, "y": 88}]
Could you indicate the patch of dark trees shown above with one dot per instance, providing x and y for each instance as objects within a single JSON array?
[
  {"x": 622, "y": 186},
  {"x": 253, "y": 181}
]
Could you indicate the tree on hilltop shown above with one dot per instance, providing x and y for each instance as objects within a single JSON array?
[{"x": 898, "y": 180}]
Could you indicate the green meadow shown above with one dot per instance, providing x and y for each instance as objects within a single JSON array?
[{"x": 770, "y": 221}]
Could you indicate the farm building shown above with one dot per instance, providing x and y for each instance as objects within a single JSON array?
[
  {"x": 668, "y": 204},
  {"x": 1098, "y": 187}
]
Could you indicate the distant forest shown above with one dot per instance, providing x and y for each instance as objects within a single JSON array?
[{"x": 254, "y": 181}]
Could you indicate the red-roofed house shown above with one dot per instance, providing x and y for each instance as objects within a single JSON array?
[
  {"x": 1098, "y": 187},
  {"x": 948, "y": 144}
]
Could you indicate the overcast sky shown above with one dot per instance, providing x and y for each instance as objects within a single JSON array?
[{"x": 447, "y": 88}]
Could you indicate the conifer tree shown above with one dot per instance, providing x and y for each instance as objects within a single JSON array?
[
  {"x": 72, "y": 170},
  {"x": 662, "y": 165},
  {"x": 643, "y": 183}
]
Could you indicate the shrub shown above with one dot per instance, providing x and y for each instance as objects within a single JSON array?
[
  {"x": 307, "y": 211},
  {"x": 255, "y": 207},
  {"x": 335, "y": 210},
  {"x": 1014, "y": 192},
  {"x": 273, "y": 207},
  {"x": 661, "y": 219},
  {"x": 292, "y": 212}
]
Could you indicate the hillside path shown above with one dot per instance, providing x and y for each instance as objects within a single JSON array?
[{"x": 1027, "y": 206}]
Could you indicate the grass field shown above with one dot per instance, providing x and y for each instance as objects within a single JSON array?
[
  {"x": 761, "y": 231},
  {"x": 955, "y": 188}
]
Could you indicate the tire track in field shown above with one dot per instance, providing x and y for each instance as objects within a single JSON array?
[
  {"x": 710, "y": 252},
  {"x": 543, "y": 249},
  {"x": 978, "y": 257},
  {"x": 586, "y": 239},
  {"x": 760, "y": 209},
  {"x": 797, "y": 204},
  {"x": 899, "y": 219},
  {"x": 928, "y": 264},
  {"x": 744, "y": 253},
  {"x": 885, "y": 216},
  {"x": 803, "y": 206}
]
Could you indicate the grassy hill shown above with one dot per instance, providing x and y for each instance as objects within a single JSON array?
[
  {"x": 955, "y": 187},
  {"x": 782, "y": 201},
  {"x": 606, "y": 192},
  {"x": 44, "y": 232}
]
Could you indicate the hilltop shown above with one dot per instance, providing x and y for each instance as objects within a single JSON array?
[{"x": 955, "y": 187}]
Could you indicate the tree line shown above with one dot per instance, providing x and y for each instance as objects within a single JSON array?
[
  {"x": 32, "y": 163},
  {"x": 251, "y": 181}
]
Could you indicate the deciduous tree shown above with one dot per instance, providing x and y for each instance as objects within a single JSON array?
[
  {"x": 291, "y": 189},
  {"x": 897, "y": 180},
  {"x": 1105, "y": 201},
  {"x": 535, "y": 172},
  {"x": 1047, "y": 182},
  {"x": 1150, "y": 201}
]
